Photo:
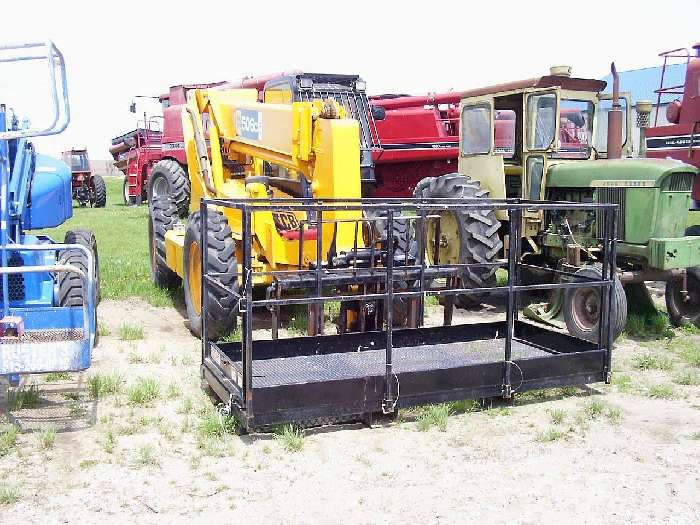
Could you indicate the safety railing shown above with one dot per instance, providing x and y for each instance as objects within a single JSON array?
[
  {"x": 58, "y": 86},
  {"x": 330, "y": 270}
]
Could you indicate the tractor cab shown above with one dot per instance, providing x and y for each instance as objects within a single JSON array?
[
  {"x": 513, "y": 133},
  {"x": 78, "y": 160}
]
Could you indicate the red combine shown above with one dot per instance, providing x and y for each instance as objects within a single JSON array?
[
  {"x": 680, "y": 138},
  {"x": 152, "y": 157},
  {"x": 419, "y": 138},
  {"x": 87, "y": 187}
]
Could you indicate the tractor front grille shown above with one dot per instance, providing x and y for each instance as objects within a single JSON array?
[
  {"x": 679, "y": 182},
  {"x": 611, "y": 196},
  {"x": 15, "y": 280}
]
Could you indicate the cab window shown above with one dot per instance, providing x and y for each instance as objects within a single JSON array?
[
  {"x": 476, "y": 129},
  {"x": 542, "y": 114},
  {"x": 575, "y": 129}
]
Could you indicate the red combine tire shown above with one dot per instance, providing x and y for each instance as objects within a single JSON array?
[{"x": 169, "y": 178}]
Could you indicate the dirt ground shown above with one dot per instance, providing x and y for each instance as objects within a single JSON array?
[{"x": 600, "y": 454}]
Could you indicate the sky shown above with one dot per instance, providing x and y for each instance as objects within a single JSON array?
[{"x": 115, "y": 50}]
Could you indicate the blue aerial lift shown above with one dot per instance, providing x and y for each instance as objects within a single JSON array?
[{"x": 48, "y": 290}]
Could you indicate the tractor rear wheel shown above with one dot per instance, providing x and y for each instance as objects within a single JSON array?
[
  {"x": 168, "y": 177},
  {"x": 100, "y": 191},
  {"x": 467, "y": 236},
  {"x": 682, "y": 308},
  {"x": 162, "y": 218},
  {"x": 70, "y": 285},
  {"x": 582, "y": 307},
  {"x": 220, "y": 258}
]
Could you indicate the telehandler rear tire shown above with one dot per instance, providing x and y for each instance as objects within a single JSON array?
[
  {"x": 70, "y": 285},
  {"x": 168, "y": 177},
  {"x": 220, "y": 258},
  {"x": 466, "y": 236},
  {"x": 162, "y": 218}
]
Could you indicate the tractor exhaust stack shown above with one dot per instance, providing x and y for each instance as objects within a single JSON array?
[{"x": 615, "y": 119}]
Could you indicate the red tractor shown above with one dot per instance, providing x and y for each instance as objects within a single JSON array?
[
  {"x": 152, "y": 157},
  {"x": 680, "y": 138},
  {"x": 88, "y": 187}
]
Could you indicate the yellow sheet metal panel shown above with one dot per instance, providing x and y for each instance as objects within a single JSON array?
[{"x": 174, "y": 250}]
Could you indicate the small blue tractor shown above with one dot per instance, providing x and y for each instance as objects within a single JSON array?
[{"x": 48, "y": 291}]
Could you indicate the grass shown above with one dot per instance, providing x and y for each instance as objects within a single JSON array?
[
  {"x": 173, "y": 391},
  {"x": 20, "y": 398},
  {"x": 649, "y": 327},
  {"x": 290, "y": 438},
  {"x": 687, "y": 378},
  {"x": 8, "y": 494},
  {"x": 103, "y": 330},
  {"x": 100, "y": 385},
  {"x": 8, "y": 440},
  {"x": 146, "y": 457},
  {"x": 557, "y": 416},
  {"x": 649, "y": 361},
  {"x": 144, "y": 391},
  {"x": 124, "y": 270},
  {"x": 110, "y": 442},
  {"x": 47, "y": 439},
  {"x": 130, "y": 332},
  {"x": 299, "y": 319},
  {"x": 623, "y": 382},
  {"x": 433, "y": 416},
  {"x": 550, "y": 435},
  {"x": 594, "y": 409},
  {"x": 661, "y": 391},
  {"x": 54, "y": 377},
  {"x": 216, "y": 425}
]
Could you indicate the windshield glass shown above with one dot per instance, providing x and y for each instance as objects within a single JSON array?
[
  {"x": 575, "y": 129},
  {"x": 79, "y": 162},
  {"x": 476, "y": 129},
  {"x": 542, "y": 113}
]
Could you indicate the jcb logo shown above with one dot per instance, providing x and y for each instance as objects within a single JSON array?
[{"x": 249, "y": 124}]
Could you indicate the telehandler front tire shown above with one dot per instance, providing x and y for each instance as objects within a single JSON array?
[
  {"x": 220, "y": 258},
  {"x": 467, "y": 236}
]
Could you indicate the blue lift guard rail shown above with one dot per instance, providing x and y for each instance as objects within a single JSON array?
[{"x": 50, "y": 338}]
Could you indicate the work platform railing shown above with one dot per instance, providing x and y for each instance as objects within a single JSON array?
[{"x": 352, "y": 375}]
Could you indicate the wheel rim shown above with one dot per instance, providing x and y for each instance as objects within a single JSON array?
[
  {"x": 449, "y": 242},
  {"x": 585, "y": 308},
  {"x": 689, "y": 306},
  {"x": 194, "y": 278},
  {"x": 126, "y": 191},
  {"x": 159, "y": 187}
]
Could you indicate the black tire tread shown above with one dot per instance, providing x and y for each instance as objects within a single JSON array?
[
  {"x": 70, "y": 285},
  {"x": 162, "y": 218},
  {"x": 100, "y": 191},
  {"x": 178, "y": 182},
  {"x": 677, "y": 317},
  {"x": 480, "y": 242},
  {"x": 220, "y": 258}
]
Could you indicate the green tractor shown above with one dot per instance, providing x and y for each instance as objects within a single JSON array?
[{"x": 560, "y": 138}]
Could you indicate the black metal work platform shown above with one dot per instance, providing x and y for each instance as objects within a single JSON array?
[
  {"x": 353, "y": 375},
  {"x": 341, "y": 377}
]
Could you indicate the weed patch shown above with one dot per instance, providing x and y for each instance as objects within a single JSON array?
[
  {"x": 661, "y": 391},
  {"x": 20, "y": 398},
  {"x": 8, "y": 495},
  {"x": 100, "y": 385},
  {"x": 47, "y": 439},
  {"x": 8, "y": 440},
  {"x": 291, "y": 438},
  {"x": 143, "y": 392},
  {"x": 130, "y": 332},
  {"x": 54, "y": 377},
  {"x": 433, "y": 416}
]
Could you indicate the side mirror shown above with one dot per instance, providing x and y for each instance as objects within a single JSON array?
[{"x": 132, "y": 107}]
